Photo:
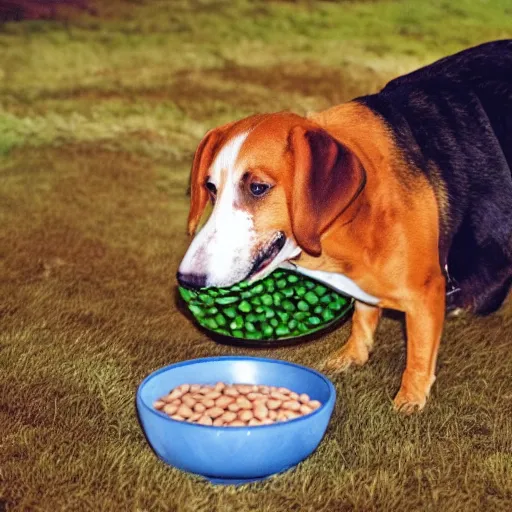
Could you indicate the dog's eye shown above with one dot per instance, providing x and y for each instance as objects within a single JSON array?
[
  {"x": 258, "y": 189},
  {"x": 211, "y": 188}
]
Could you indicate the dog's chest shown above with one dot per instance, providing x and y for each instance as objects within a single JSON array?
[{"x": 339, "y": 282}]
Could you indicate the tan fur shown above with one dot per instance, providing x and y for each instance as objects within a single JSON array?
[
  {"x": 394, "y": 242},
  {"x": 384, "y": 238}
]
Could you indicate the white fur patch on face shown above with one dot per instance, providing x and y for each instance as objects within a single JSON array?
[
  {"x": 225, "y": 161},
  {"x": 223, "y": 249}
]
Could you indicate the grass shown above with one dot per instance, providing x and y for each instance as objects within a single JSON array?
[{"x": 99, "y": 118}]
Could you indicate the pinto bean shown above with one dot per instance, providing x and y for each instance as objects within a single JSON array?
[
  {"x": 245, "y": 415},
  {"x": 188, "y": 401},
  {"x": 224, "y": 401},
  {"x": 199, "y": 407},
  {"x": 184, "y": 388},
  {"x": 304, "y": 398},
  {"x": 244, "y": 389},
  {"x": 158, "y": 404},
  {"x": 170, "y": 409},
  {"x": 291, "y": 405},
  {"x": 213, "y": 395},
  {"x": 255, "y": 396},
  {"x": 234, "y": 404},
  {"x": 205, "y": 420},
  {"x": 274, "y": 404},
  {"x": 260, "y": 412},
  {"x": 244, "y": 403},
  {"x": 304, "y": 409},
  {"x": 229, "y": 416},
  {"x": 231, "y": 391},
  {"x": 214, "y": 412},
  {"x": 175, "y": 393},
  {"x": 185, "y": 411},
  {"x": 219, "y": 386}
]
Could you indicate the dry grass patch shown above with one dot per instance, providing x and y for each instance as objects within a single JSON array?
[
  {"x": 99, "y": 118},
  {"x": 89, "y": 310}
]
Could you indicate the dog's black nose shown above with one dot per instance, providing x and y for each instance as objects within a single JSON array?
[{"x": 191, "y": 280}]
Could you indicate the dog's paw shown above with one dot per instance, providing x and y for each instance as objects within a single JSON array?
[
  {"x": 407, "y": 402},
  {"x": 342, "y": 359}
]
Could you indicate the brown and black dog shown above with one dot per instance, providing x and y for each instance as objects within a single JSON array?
[{"x": 402, "y": 199}]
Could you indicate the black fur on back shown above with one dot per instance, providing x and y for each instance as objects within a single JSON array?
[{"x": 453, "y": 121}]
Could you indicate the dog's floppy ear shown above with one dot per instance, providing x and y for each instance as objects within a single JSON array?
[
  {"x": 202, "y": 160},
  {"x": 327, "y": 178}
]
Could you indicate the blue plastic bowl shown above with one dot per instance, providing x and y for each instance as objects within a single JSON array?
[{"x": 235, "y": 455}]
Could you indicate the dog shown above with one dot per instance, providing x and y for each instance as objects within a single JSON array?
[{"x": 402, "y": 199}]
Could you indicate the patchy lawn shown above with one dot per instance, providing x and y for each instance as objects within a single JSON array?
[{"x": 99, "y": 118}]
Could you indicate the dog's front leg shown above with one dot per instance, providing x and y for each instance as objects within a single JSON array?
[
  {"x": 424, "y": 317},
  {"x": 358, "y": 347}
]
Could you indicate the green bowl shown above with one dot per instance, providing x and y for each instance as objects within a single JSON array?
[{"x": 283, "y": 306}]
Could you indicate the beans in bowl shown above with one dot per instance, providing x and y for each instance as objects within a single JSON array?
[{"x": 234, "y": 405}]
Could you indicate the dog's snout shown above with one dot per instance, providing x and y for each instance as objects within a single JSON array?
[{"x": 193, "y": 281}]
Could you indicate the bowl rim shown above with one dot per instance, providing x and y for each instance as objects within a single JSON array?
[
  {"x": 287, "y": 340},
  {"x": 328, "y": 402}
]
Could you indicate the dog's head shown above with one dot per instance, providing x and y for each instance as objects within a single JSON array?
[{"x": 276, "y": 183}]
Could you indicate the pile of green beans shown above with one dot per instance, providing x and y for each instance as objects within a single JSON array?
[{"x": 282, "y": 305}]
